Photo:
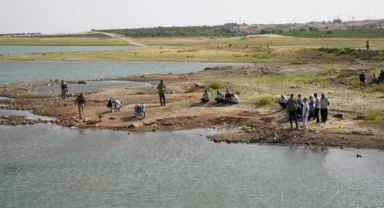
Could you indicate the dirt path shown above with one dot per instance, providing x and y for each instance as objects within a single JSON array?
[{"x": 125, "y": 39}]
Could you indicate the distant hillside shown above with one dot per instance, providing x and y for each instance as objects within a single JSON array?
[{"x": 334, "y": 29}]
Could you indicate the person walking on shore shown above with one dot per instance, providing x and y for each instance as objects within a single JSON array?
[
  {"x": 64, "y": 89},
  {"x": 80, "y": 102},
  {"x": 305, "y": 114},
  {"x": 324, "y": 103},
  {"x": 161, "y": 90},
  {"x": 317, "y": 107},
  {"x": 367, "y": 44},
  {"x": 292, "y": 107}
]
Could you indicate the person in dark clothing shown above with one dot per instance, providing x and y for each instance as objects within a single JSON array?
[
  {"x": 292, "y": 107},
  {"x": 367, "y": 44},
  {"x": 362, "y": 77},
  {"x": 317, "y": 107},
  {"x": 80, "y": 102}
]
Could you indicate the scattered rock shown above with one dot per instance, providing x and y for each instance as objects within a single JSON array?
[
  {"x": 82, "y": 82},
  {"x": 338, "y": 115}
]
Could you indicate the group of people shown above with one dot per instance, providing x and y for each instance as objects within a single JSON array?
[
  {"x": 375, "y": 79},
  {"x": 305, "y": 108},
  {"x": 221, "y": 98}
]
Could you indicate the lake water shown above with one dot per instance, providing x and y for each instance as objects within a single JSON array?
[
  {"x": 46, "y": 49},
  {"x": 50, "y": 166},
  {"x": 90, "y": 86},
  {"x": 24, "y": 113},
  {"x": 12, "y": 72}
]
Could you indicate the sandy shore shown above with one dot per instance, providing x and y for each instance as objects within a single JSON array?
[{"x": 256, "y": 123}]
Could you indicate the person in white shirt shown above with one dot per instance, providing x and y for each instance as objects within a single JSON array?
[
  {"x": 324, "y": 103},
  {"x": 317, "y": 108},
  {"x": 234, "y": 99},
  {"x": 311, "y": 103},
  {"x": 305, "y": 114},
  {"x": 219, "y": 97},
  {"x": 206, "y": 96},
  {"x": 283, "y": 102}
]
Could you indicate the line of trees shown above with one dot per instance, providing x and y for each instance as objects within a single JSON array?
[{"x": 227, "y": 30}]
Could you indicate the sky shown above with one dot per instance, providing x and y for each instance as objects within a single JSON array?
[{"x": 67, "y": 16}]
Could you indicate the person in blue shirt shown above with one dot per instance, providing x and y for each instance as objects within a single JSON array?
[{"x": 283, "y": 102}]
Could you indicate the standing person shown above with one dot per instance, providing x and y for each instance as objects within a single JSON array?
[
  {"x": 292, "y": 107},
  {"x": 324, "y": 103},
  {"x": 206, "y": 96},
  {"x": 64, "y": 89},
  {"x": 367, "y": 44},
  {"x": 161, "y": 90},
  {"x": 311, "y": 104},
  {"x": 80, "y": 102},
  {"x": 283, "y": 102},
  {"x": 317, "y": 107},
  {"x": 375, "y": 79},
  {"x": 305, "y": 115}
]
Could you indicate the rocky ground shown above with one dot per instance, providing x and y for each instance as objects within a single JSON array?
[{"x": 256, "y": 123}]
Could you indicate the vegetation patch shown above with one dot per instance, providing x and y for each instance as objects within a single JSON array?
[
  {"x": 265, "y": 100},
  {"x": 373, "y": 115},
  {"x": 216, "y": 85}
]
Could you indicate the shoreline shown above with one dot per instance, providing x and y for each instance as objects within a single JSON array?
[{"x": 258, "y": 123}]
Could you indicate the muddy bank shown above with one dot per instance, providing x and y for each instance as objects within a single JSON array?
[{"x": 256, "y": 123}]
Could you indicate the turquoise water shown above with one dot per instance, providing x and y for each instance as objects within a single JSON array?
[
  {"x": 45, "y": 49},
  {"x": 50, "y": 166},
  {"x": 12, "y": 72}
]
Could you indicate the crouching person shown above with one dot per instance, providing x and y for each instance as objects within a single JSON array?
[
  {"x": 206, "y": 96},
  {"x": 234, "y": 99},
  {"x": 219, "y": 97},
  {"x": 283, "y": 102},
  {"x": 80, "y": 102}
]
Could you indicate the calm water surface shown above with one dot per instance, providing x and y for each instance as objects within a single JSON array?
[
  {"x": 45, "y": 49},
  {"x": 12, "y": 72},
  {"x": 90, "y": 86},
  {"x": 51, "y": 166}
]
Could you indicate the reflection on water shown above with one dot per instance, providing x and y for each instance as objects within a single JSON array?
[
  {"x": 51, "y": 166},
  {"x": 42, "y": 71},
  {"x": 24, "y": 113},
  {"x": 90, "y": 86}
]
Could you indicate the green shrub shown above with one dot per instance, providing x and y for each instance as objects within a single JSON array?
[
  {"x": 216, "y": 85},
  {"x": 239, "y": 91},
  {"x": 373, "y": 115},
  {"x": 331, "y": 71},
  {"x": 265, "y": 100},
  {"x": 376, "y": 88},
  {"x": 356, "y": 84}
]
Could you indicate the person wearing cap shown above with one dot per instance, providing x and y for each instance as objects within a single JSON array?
[
  {"x": 80, "y": 102},
  {"x": 206, "y": 96}
]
